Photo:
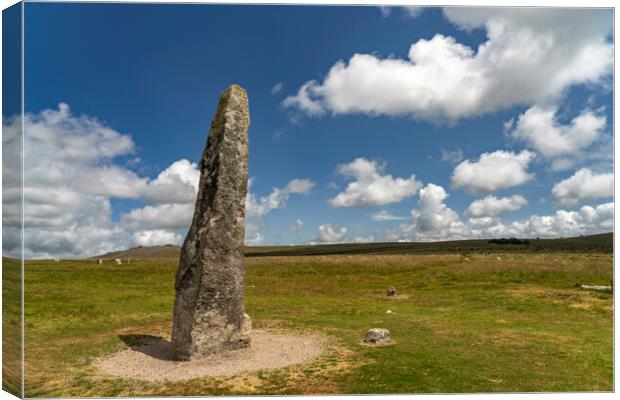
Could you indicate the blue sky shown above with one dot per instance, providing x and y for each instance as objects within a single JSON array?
[{"x": 137, "y": 85}]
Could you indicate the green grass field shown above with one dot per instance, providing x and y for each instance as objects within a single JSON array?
[
  {"x": 501, "y": 322},
  {"x": 11, "y": 326}
]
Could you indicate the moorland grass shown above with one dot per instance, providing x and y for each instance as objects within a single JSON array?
[
  {"x": 460, "y": 323},
  {"x": 11, "y": 326}
]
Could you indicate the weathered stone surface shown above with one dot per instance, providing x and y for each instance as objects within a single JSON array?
[
  {"x": 391, "y": 292},
  {"x": 377, "y": 336},
  {"x": 246, "y": 326},
  {"x": 209, "y": 311}
]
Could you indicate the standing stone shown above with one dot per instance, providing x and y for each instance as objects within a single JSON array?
[
  {"x": 208, "y": 310},
  {"x": 391, "y": 292}
]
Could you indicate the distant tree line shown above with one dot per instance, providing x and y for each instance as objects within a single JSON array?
[{"x": 512, "y": 240}]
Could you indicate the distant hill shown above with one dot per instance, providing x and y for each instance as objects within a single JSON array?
[
  {"x": 165, "y": 251},
  {"x": 601, "y": 243}
]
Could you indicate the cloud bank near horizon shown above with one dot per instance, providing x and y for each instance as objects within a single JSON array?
[{"x": 81, "y": 165}]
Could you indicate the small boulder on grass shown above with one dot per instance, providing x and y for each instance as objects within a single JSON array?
[
  {"x": 391, "y": 292},
  {"x": 377, "y": 336}
]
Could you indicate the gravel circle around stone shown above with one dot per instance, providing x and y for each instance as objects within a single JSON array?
[{"x": 268, "y": 350}]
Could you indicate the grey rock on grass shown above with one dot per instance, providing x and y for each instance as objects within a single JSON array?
[
  {"x": 209, "y": 309},
  {"x": 377, "y": 336}
]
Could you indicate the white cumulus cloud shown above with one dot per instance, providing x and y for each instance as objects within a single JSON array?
[
  {"x": 493, "y": 171},
  {"x": 176, "y": 184},
  {"x": 600, "y": 217},
  {"x": 531, "y": 56},
  {"x": 329, "y": 234},
  {"x": 402, "y": 233},
  {"x": 372, "y": 186},
  {"x": 563, "y": 223},
  {"x": 539, "y": 128},
  {"x": 156, "y": 237},
  {"x": 303, "y": 101},
  {"x": 569, "y": 223},
  {"x": 364, "y": 239},
  {"x": 583, "y": 185},
  {"x": 432, "y": 218},
  {"x": 409, "y": 11},
  {"x": 69, "y": 178},
  {"x": 161, "y": 216},
  {"x": 74, "y": 169},
  {"x": 253, "y": 236},
  {"x": 258, "y": 206},
  {"x": 491, "y": 206}
]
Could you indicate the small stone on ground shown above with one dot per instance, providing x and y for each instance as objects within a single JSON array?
[{"x": 377, "y": 336}]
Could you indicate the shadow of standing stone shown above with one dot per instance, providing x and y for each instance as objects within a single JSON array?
[{"x": 153, "y": 346}]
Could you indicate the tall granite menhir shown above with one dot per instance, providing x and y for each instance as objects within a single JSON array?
[{"x": 208, "y": 310}]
